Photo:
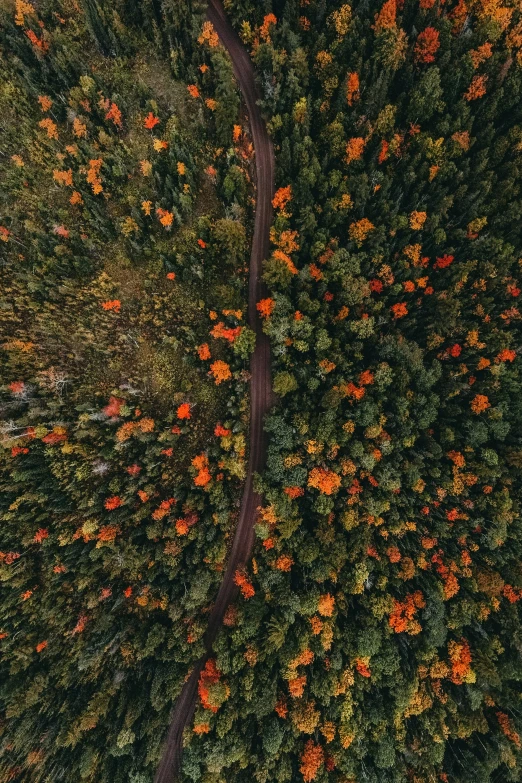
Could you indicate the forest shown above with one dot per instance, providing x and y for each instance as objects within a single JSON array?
[
  {"x": 375, "y": 632},
  {"x": 126, "y": 215}
]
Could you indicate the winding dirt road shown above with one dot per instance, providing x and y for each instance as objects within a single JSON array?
[{"x": 260, "y": 386}]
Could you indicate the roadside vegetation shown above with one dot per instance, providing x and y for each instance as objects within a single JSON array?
[
  {"x": 125, "y": 232},
  {"x": 378, "y": 637}
]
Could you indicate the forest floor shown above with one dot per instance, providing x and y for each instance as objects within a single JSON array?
[{"x": 261, "y": 396}]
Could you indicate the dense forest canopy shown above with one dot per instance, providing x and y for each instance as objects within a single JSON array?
[
  {"x": 126, "y": 216},
  {"x": 377, "y": 635},
  {"x": 380, "y": 639}
]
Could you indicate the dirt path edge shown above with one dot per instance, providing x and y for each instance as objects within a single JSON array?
[{"x": 261, "y": 397}]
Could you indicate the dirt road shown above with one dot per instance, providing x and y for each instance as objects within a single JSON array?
[{"x": 260, "y": 385}]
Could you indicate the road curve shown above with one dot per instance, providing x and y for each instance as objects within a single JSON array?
[{"x": 260, "y": 385}]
